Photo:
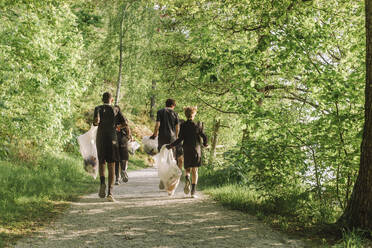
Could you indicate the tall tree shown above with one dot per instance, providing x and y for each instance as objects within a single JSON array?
[
  {"x": 120, "y": 57},
  {"x": 359, "y": 210}
]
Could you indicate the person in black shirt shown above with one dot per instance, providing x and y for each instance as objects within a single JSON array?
[
  {"x": 124, "y": 135},
  {"x": 191, "y": 135},
  {"x": 166, "y": 127},
  {"x": 167, "y": 124},
  {"x": 107, "y": 121}
]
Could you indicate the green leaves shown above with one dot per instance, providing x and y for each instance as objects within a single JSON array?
[{"x": 43, "y": 71}]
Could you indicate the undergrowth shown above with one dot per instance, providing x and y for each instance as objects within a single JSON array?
[
  {"x": 32, "y": 193},
  {"x": 294, "y": 213}
]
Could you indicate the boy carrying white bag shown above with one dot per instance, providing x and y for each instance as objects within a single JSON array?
[{"x": 168, "y": 170}]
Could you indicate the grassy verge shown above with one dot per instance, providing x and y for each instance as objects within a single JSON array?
[
  {"x": 32, "y": 194},
  {"x": 138, "y": 161},
  {"x": 243, "y": 198}
]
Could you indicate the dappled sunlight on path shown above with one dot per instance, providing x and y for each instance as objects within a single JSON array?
[{"x": 143, "y": 216}]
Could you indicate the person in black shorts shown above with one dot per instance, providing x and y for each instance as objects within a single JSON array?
[
  {"x": 124, "y": 135},
  {"x": 166, "y": 127},
  {"x": 107, "y": 144},
  {"x": 191, "y": 135}
]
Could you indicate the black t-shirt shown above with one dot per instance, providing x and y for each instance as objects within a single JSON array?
[
  {"x": 108, "y": 119},
  {"x": 168, "y": 121},
  {"x": 121, "y": 120}
]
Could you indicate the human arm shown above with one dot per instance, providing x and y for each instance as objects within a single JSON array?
[
  {"x": 96, "y": 117},
  {"x": 156, "y": 130},
  {"x": 205, "y": 140},
  {"x": 120, "y": 120},
  {"x": 177, "y": 129},
  {"x": 129, "y": 132},
  {"x": 178, "y": 140}
]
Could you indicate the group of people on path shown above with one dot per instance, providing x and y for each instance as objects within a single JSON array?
[{"x": 185, "y": 138}]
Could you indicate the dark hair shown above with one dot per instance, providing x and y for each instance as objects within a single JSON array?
[
  {"x": 170, "y": 103},
  {"x": 106, "y": 97}
]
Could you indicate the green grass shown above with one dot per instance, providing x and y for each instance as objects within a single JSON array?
[
  {"x": 352, "y": 239},
  {"x": 138, "y": 161},
  {"x": 278, "y": 214},
  {"x": 34, "y": 193},
  {"x": 237, "y": 197}
]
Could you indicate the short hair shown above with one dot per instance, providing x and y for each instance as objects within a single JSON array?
[
  {"x": 190, "y": 111},
  {"x": 170, "y": 103},
  {"x": 106, "y": 97}
]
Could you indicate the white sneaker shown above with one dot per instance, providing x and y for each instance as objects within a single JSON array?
[
  {"x": 124, "y": 176},
  {"x": 110, "y": 198},
  {"x": 186, "y": 189}
]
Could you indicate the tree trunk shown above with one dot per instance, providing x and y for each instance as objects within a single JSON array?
[
  {"x": 358, "y": 213},
  {"x": 152, "y": 100},
  {"x": 216, "y": 127},
  {"x": 245, "y": 138},
  {"x": 117, "y": 97}
]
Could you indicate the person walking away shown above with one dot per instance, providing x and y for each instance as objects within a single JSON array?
[
  {"x": 123, "y": 135},
  {"x": 191, "y": 135},
  {"x": 107, "y": 144},
  {"x": 166, "y": 127}
]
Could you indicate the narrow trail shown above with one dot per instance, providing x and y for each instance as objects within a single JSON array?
[{"x": 143, "y": 216}]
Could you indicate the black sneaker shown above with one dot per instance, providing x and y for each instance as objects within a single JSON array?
[
  {"x": 186, "y": 189},
  {"x": 161, "y": 185},
  {"x": 102, "y": 191}
]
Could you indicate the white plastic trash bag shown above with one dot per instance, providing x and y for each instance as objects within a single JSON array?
[
  {"x": 88, "y": 150},
  {"x": 133, "y": 146},
  {"x": 168, "y": 170},
  {"x": 150, "y": 146}
]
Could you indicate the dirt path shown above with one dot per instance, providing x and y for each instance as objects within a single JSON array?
[{"x": 145, "y": 217}]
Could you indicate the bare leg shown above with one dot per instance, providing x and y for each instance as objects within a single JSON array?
[
  {"x": 180, "y": 162},
  {"x": 102, "y": 189},
  {"x": 111, "y": 177},
  {"x": 102, "y": 170},
  {"x": 117, "y": 173},
  {"x": 124, "y": 167},
  {"x": 124, "y": 164},
  {"x": 186, "y": 189},
  {"x": 194, "y": 172}
]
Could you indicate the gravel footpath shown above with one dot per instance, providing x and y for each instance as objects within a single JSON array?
[{"x": 143, "y": 216}]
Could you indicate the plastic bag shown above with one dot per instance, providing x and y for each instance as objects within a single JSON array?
[
  {"x": 88, "y": 150},
  {"x": 133, "y": 146},
  {"x": 168, "y": 170},
  {"x": 150, "y": 146}
]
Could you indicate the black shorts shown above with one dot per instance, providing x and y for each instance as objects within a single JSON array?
[
  {"x": 123, "y": 147},
  {"x": 107, "y": 147}
]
